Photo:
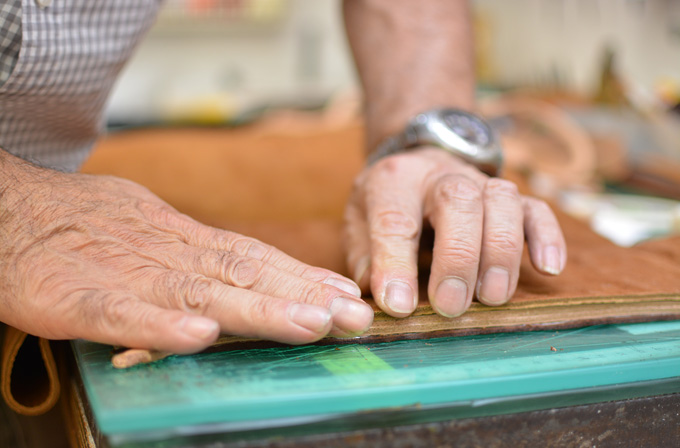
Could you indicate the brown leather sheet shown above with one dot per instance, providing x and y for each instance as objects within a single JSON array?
[{"x": 285, "y": 182}]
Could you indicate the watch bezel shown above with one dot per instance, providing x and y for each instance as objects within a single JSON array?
[{"x": 430, "y": 128}]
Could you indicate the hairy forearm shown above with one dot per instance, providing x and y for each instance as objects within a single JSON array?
[
  {"x": 14, "y": 177},
  {"x": 411, "y": 56},
  {"x": 19, "y": 179}
]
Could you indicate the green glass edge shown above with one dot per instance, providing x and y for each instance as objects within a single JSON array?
[
  {"x": 394, "y": 396},
  {"x": 403, "y": 416}
]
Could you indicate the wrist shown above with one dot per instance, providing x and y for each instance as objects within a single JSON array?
[
  {"x": 20, "y": 181},
  {"x": 10, "y": 176}
]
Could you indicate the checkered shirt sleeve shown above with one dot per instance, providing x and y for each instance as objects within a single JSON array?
[
  {"x": 59, "y": 60},
  {"x": 10, "y": 36}
]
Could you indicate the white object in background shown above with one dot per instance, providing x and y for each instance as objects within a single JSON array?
[{"x": 624, "y": 219}]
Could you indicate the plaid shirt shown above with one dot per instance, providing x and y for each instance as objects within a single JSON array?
[{"x": 58, "y": 62}]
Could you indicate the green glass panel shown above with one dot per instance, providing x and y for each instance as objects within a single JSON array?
[{"x": 250, "y": 389}]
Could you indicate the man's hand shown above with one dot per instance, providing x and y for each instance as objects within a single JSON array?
[
  {"x": 480, "y": 225},
  {"x": 104, "y": 259},
  {"x": 413, "y": 57}
]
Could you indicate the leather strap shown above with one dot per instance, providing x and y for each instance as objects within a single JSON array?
[{"x": 29, "y": 381}]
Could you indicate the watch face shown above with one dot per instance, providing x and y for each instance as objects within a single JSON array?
[{"x": 468, "y": 127}]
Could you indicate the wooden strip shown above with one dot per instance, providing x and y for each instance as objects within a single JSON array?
[{"x": 480, "y": 319}]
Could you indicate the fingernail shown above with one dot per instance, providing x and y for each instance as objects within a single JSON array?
[
  {"x": 451, "y": 297},
  {"x": 200, "y": 328},
  {"x": 493, "y": 289},
  {"x": 361, "y": 268},
  {"x": 551, "y": 262},
  {"x": 311, "y": 317},
  {"x": 399, "y": 297},
  {"x": 351, "y": 316},
  {"x": 347, "y": 286}
]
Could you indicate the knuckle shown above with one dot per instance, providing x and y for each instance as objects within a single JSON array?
[
  {"x": 393, "y": 164},
  {"x": 154, "y": 212},
  {"x": 250, "y": 247},
  {"x": 502, "y": 187},
  {"x": 505, "y": 241},
  {"x": 116, "y": 309},
  {"x": 450, "y": 188},
  {"x": 195, "y": 292},
  {"x": 244, "y": 272},
  {"x": 544, "y": 209},
  {"x": 315, "y": 274},
  {"x": 461, "y": 254},
  {"x": 183, "y": 291},
  {"x": 163, "y": 284},
  {"x": 88, "y": 307},
  {"x": 220, "y": 264},
  {"x": 537, "y": 213},
  {"x": 149, "y": 322},
  {"x": 395, "y": 223},
  {"x": 316, "y": 294},
  {"x": 259, "y": 311},
  {"x": 209, "y": 236},
  {"x": 538, "y": 206}
]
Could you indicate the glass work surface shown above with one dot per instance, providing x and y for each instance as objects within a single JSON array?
[{"x": 234, "y": 389}]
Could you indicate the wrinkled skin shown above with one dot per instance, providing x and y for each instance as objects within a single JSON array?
[{"x": 104, "y": 259}]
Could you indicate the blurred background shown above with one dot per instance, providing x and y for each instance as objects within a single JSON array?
[
  {"x": 584, "y": 93},
  {"x": 214, "y": 59}
]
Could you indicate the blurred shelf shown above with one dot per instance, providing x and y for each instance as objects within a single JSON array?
[{"x": 183, "y": 18}]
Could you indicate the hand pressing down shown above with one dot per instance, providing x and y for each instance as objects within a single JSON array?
[
  {"x": 480, "y": 226},
  {"x": 104, "y": 259}
]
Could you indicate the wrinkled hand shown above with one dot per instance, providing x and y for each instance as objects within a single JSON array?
[
  {"x": 480, "y": 225},
  {"x": 104, "y": 259}
]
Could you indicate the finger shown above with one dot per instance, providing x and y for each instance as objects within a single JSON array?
[
  {"x": 202, "y": 236},
  {"x": 502, "y": 242},
  {"x": 357, "y": 243},
  {"x": 394, "y": 215},
  {"x": 179, "y": 227},
  {"x": 239, "y": 311},
  {"x": 122, "y": 319},
  {"x": 547, "y": 248},
  {"x": 351, "y": 315},
  {"x": 454, "y": 207}
]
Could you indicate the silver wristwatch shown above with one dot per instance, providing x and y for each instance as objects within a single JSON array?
[{"x": 461, "y": 133}]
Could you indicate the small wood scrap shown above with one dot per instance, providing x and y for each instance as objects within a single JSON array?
[{"x": 132, "y": 357}]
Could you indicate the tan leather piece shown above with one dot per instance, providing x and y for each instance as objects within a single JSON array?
[
  {"x": 268, "y": 172},
  {"x": 29, "y": 381}
]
